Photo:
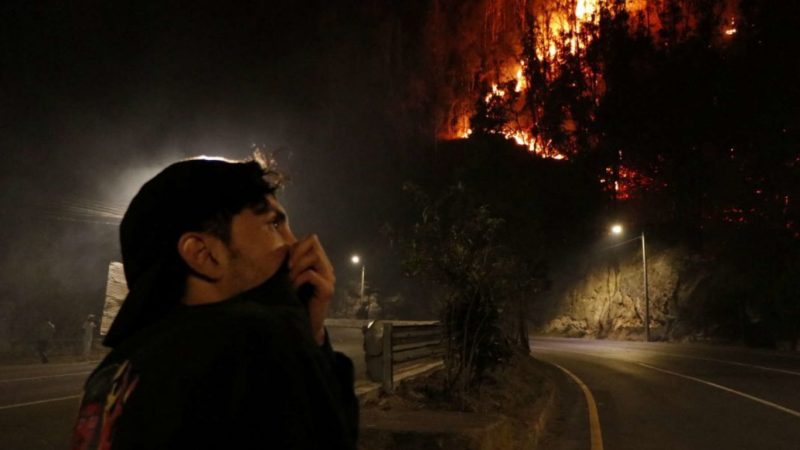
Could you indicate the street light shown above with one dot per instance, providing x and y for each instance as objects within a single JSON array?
[
  {"x": 356, "y": 260},
  {"x": 616, "y": 229}
]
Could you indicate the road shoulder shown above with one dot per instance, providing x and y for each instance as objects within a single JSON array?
[{"x": 510, "y": 411}]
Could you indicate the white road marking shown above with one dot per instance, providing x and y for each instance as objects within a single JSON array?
[
  {"x": 11, "y": 380},
  {"x": 727, "y": 389},
  {"x": 735, "y": 363},
  {"x": 49, "y": 400},
  {"x": 676, "y": 355},
  {"x": 595, "y": 434}
]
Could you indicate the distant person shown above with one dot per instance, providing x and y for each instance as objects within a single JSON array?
[
  {"x": 88, "y": 328},
  {"x": 44, "y": 336},
  {"x": 220, "y": 343}
]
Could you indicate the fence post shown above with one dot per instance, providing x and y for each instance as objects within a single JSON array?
[{"x": 387, "y": 376}]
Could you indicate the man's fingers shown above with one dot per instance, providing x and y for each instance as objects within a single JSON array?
[
  {"x": 303, "y": 263},
  {"x": 323, "y": 287},
  {"x": 302, "y": 247},
  {"x": 312, "y": 260},
  {"x": 309, "y": 254}
]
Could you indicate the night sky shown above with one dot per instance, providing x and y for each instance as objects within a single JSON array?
[
  {"x": 98, "y": 96},
  {"x": 682, "y": 137}
]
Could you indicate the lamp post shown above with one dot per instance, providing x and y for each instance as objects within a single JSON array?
[
  {"x": 356, "y": 260},
  {"x": 617, "y": 230}
]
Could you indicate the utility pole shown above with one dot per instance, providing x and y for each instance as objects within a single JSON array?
[
  {"x": 363, "y": 271},
  {"x": 646, "y": 294}
]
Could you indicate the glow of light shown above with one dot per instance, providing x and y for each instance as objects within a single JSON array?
[
  {"x": 616, "y": 229},
  {"x": 520, "y": 76},
  {"x": 584, "y": 9},
  {"x": 552, "y": 51},
  {"x": 355, "y": 259},
  {"x": 495, "y": 93},
  {"x": 732, "y": 29},
  {"x": 212, "y": 158}
]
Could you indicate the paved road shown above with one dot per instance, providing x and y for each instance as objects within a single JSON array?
[
  {"x": 38, "y": 402},
  {"x": 674, "y": 396},
  {"x": 350, "y": 341},
  {"x": 647, "y": 396}
]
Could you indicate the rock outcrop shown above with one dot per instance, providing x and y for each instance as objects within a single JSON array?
[{"x": 604, "y": 296}]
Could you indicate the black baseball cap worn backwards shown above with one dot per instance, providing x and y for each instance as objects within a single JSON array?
[{"x": 184, "y": 197}]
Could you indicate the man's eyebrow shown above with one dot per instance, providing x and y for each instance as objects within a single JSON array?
[
  {"x": 265, "y": 207},
  {"x": 279, "y": 213}
]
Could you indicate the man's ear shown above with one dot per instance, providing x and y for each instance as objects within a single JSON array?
[{"x": 202, "y": 253}]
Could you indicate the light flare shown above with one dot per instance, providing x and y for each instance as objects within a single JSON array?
[
  {"x": 522, "y": 83},
  {"x": 731, "y": 30},
  {"x": 496, "y": 92},
  {"x": 585, "y": 9}
]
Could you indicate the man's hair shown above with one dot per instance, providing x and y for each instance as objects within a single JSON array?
[
  {"x": 261, "y": 170},
  {"x": 257, "y": 178},
  {"x": 200, "y": 194}
]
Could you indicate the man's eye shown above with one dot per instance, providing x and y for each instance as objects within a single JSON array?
[{"x": 275, "y": 224}]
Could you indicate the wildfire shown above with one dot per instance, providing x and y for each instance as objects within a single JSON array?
[
  {"x": 522, "y": 83},
  {"x": 548, "y": 49},
  {"x": 516, "y": 54},
  {"x": 499, "y": 93},
  {"x": 585, "y": 9},
  {"x": 626, "y": 182},
  {"x": 534, "y": 144}
]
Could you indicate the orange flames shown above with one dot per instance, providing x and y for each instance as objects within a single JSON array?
[
  {"x": 626, "y": 182},
  {"x": 493, "y": 54},
  {"x": 562, "y": 33}
]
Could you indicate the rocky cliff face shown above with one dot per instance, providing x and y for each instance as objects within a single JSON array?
[{"x": 604, "y": 296}]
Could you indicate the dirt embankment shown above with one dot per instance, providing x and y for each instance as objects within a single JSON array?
[{"x": 507, "y": 412}]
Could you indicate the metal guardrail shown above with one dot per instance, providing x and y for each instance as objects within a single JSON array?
[
  {"x": 346, "y": 323},
  {"x": 390, "y": 344}
]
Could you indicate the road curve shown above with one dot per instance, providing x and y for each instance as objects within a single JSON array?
[{"x": 674, "y": 396}]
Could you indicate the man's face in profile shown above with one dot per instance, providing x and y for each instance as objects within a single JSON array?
[{"x": 259, "y": 243}]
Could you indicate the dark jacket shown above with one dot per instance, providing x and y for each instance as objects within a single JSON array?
[{"x": 239, "y": 374}]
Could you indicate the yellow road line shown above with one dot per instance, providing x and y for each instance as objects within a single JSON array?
[
  {"x": 49, "y": 400},
  {"x": 726, "y": 389},
  {"x": 595, "y": 434}
]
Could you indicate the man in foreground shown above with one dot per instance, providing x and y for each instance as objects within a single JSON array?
[{"x": 220, "y": 342}]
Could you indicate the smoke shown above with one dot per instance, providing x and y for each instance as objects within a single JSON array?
[{"x": 114, "y": 95}]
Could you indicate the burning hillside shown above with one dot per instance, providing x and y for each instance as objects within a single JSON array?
[{"x": 533, "y": 71}]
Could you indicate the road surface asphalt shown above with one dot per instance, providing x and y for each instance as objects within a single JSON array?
[
  {"x": 674, "y": 396},
  {"x": 647, "y": 396}
]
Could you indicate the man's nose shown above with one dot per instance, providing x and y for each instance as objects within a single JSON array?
[{"x": 289, "y": 237}]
